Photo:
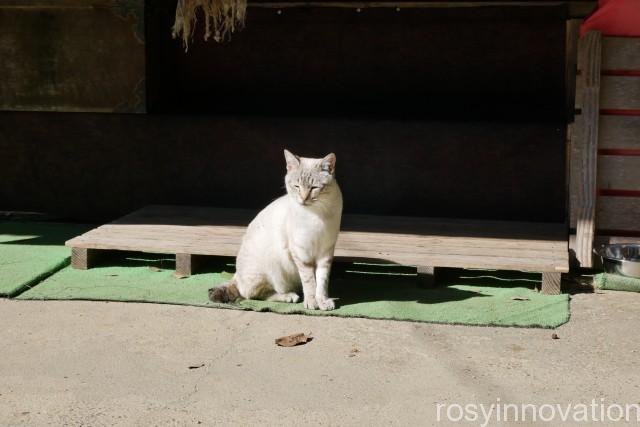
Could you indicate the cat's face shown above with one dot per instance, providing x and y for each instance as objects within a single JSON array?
[{"x": 307, "y": 180}]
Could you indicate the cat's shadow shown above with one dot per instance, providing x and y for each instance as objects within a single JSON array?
[
  {"x": 360, "y": 288},
  {"x": 354, "y": 284}
]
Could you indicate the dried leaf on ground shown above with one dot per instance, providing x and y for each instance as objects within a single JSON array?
[
  {"x": 154, "y": 269},
  {"x": 180, "y": 276},
  {"x": 293, "y": 340}
]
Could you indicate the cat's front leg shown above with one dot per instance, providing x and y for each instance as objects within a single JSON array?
[
  {"x": 308, "y": 279},
  {"x": 323, "y": 269}
]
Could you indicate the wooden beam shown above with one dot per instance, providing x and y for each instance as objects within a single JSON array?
[
  {"x": 586, "y": 203},
  {"x": 618, "y": 53},
  {"x": 184, "y": 265},
  {"x": 83, "y": 258},
  {"x": 551, "y": 283},
  {"x": 401, "y": 4},
  {"x": 426, "y": 276},
  {"x": 571, "y": 62},
  {"x": 615, "y": 132},
  {"x": 576, "y": 9},
  {"x": 616, "y": 93},
  {"x": 618, "y": 175}
]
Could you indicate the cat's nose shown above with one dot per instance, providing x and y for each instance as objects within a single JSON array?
[{"x": 304, "y": 194}]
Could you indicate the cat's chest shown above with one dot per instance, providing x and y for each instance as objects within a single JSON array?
[{"x": 312, "y": 233}]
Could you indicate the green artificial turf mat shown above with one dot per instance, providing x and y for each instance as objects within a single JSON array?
[
  {"x": 466, "y": 297},
  {"x": 30, "y": 251},
  {"x": 615, "y": 282}
]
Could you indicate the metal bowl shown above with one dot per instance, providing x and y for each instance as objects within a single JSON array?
[{"x": 620, "y": 258}]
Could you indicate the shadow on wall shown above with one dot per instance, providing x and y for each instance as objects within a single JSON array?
[{"x": 93, "y": 167}]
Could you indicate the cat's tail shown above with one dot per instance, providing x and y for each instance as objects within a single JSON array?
[{"x": 227, "y": 292}]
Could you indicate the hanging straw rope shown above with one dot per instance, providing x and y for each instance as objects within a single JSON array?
[{"x": 222, "y": 18}]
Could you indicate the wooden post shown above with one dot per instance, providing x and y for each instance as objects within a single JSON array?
[
  {"x": 571, "y": 61},
  {"x": 426, "y": 276},
  {"x": 551, "y": 283},
  {"x": 185, "y": 264},
  {"x": 83, "y": 258},
  {"x": 586, "y": 209}
]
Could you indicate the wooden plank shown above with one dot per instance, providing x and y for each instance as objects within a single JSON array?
[
  {"x": 419, "y": 241},
  {"x": 620, "y": 92},
  {"x": 208, "y": 240},
  {"x": 576, "y": 8},
  {"x": 233, "y": 222},
  {"x": 617, "y": 213},
  {"x": 180, "y": 216},
  {"x": 621, "y": 53},
  {"x": 614, "y": 172},
  {"x": 618, "y": 53},
  {"x": 616, "y": 92},
  {"x": 586, "y": 201},
  {"x": 410, "y": 4},
  {"x": 615, "y": 132},
  {"x": 620, "y": 132},
  {"x": 551, "y": 283},
  {"x": 355, "y": 239},
  {"x": 619, "y": 173}
]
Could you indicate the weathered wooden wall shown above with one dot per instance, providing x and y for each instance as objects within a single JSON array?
[
  {"x": 72, "y": 55},
  {"x": 617, "y": 192}
]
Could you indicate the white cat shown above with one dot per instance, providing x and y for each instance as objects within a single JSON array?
[{"x": 291, "y": 242}]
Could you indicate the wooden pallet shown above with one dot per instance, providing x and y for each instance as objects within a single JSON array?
[{"x": 189, "y": 232}]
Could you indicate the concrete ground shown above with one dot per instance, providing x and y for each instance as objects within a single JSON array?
[{"x": 104, "y": 364}]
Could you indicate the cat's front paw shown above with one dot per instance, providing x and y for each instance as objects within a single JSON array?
[
  {"x": 310, "y": 303},
  {"x": 325, "y": 304}
]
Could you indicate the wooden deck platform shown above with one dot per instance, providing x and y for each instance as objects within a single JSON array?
[{"x": 424, "y": 242}]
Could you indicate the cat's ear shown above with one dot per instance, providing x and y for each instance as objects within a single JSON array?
[
  {"x": 293, "y": 161},
  {"x": 329, "y": 163}
]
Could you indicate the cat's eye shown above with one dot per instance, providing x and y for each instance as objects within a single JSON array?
[
  {"x": 297, "y": 187},
  {"x": 315, "y": 188}
]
